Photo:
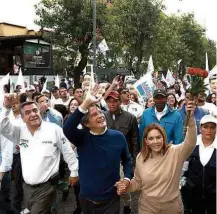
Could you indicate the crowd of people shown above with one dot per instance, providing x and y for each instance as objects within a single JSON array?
[{"x": 114, "y": 143}]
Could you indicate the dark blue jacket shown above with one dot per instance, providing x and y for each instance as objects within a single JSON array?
[
  {"x": 99, "y": 159},
  {"x": 171, "y": 122},
  {"x": 200, "y": 180}
]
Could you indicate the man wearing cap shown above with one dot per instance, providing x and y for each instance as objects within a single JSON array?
[
  {"x": 162, "y": 114},
  {"x": 126, "y": 123},
  {"x": 55, "y": 96},
  {"x": 199, "y": 191}
]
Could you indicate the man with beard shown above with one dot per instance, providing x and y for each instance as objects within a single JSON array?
[
  {"x": 161, "y": 113},
  {"x": 208, "y": 107}
]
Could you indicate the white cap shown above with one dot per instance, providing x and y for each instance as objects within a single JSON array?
[
  {"x": 30, "y": 87},
  {"x": 35, "y": 83},
  {"x": 46, "y": 91},
  {"x": 208, "y": 119}
]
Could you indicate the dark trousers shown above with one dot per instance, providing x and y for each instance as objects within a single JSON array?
[
  {"x": 105, "y": 207},
  {"x": 5, "y": 203},
  {"x": 18, "y": 180},
  {"x": 39, "y": 199},
  {"x": 6, "y": 187},
  {"x": 204, "y": 207},
  {"x": 77, "y": 192}
]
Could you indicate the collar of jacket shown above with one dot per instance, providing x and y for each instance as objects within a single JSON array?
[{"x": 169, "y": 110}]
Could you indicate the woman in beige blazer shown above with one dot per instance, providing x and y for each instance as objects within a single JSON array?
[{"x": 158, "y": 170}]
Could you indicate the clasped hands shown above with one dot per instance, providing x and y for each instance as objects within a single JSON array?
[{"x": 122, "y": 186}]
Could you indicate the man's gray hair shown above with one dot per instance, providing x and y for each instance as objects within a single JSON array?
[{"x": 27, "y": 104}]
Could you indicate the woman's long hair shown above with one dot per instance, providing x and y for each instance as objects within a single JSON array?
[{"x": 145, "y": 152}]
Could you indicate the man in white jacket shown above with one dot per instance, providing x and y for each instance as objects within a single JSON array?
[
  {"x": 6, "y": 159},
  {"x": 40, "y": 146}
]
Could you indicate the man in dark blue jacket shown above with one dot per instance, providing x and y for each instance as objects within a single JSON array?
[{"x": 100, "y": 152}]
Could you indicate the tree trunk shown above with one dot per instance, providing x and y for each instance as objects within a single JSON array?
[{"x": 83, "y": 62}]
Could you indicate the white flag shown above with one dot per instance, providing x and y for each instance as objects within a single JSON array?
[
  {"x": 3, "y": 82},
  {"x": 170, "y": 79},
  {"x": 206, "y": 80},
  {"x": 103, "y": 47},
  {"x": 44, "y": 86},
  {"x": 150, "y": 66},
  {"x": 92, "y": 77},
  {"x": 207, "y": 63},
  {"x": 164, "y": 79},
  {"x": 20, "y": 81},
  {"x": 57, "y": 81}
]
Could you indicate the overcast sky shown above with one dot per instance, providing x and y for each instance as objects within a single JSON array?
[{"x": 22, "y": 12}]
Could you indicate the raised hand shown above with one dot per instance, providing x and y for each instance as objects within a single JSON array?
[
  {"x": 92, "y": 97},
  {"x": 116, "y": 81},
  {"x": 10, "y": 100},
  {"x": 191, "y": 108}
]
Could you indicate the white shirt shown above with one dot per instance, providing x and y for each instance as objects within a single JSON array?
[
  {"x": 210, "y": 108},
  {"x": 19, "y": 122},
  {"x": 40, "y": 153},
  {"x": 205, "y": 152},
  {"x": 56, "y": 102},
  {"x": 6, "y": 154},
  {"x": 133, "y": 108},
  {"x": 161, "y": 114}
]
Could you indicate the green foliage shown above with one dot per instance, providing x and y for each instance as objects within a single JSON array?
[
  {"x": 197, "y": 85},
  {"x": 133, "y": 30}
]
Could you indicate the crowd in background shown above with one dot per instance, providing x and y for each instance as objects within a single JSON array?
[{"x": 124, "y": 110}]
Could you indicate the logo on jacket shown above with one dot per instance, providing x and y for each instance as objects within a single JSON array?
[{"x": 24, "y": 143}]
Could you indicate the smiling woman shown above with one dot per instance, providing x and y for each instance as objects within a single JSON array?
[
  {"x": 158, "y": 170},
  {"x": 155, "y": 141}
]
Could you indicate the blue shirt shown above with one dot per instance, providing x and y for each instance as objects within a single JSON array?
[
  {"x": 198, "y": 114},
  {"x": 171, "y": 122},
  {"x": 99, "y": 159}
]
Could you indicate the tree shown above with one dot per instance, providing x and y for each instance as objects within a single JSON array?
[
  {"x": 129, "y": 30},
  {"x": 70, "y": 24}
]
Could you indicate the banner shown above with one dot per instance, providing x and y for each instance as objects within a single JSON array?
[{"x": 145, "y": 86}]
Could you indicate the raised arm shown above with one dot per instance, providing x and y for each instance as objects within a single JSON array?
[
  {"x": 7, "y": 155},
  {"x": 70, "y": 129},
  {"x": 11, "y": 132},
  {"x": 187, "y": 147}
]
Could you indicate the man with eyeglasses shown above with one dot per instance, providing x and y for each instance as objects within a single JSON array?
[{"x": 130, "y": 106}]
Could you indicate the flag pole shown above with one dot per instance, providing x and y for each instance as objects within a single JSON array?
[{"x": 94, "y": 36}]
